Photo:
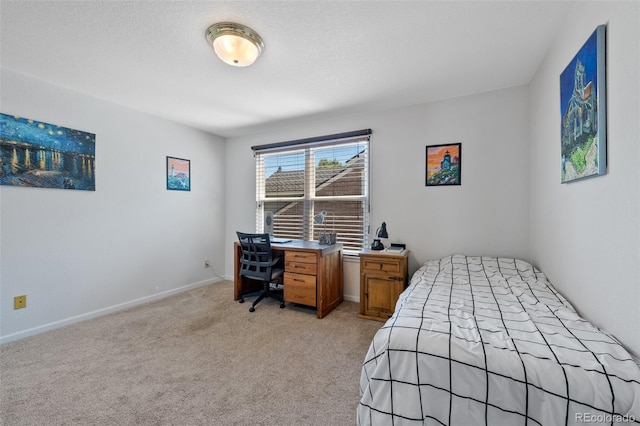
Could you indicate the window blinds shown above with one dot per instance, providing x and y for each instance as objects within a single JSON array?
[{"x": 296, "y": 180}]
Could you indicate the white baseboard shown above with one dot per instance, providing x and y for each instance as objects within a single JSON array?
[
  {"x": 99, "y": 312},
  {"x": 351, "y": 298}
]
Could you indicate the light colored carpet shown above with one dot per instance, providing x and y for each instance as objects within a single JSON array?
[{"x": 197, "y": 358}]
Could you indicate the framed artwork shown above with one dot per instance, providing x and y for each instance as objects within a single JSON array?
[
  {"x": 41, "y": 155},
  {"x": 583, "y": 146},
  {"x": 178, "y": 174},
  {"x": 443, "y": 164}
]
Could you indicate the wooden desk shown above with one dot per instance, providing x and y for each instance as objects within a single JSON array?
[{"x": 312, "y": 274}]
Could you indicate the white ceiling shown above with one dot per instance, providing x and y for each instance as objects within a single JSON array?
[{"x": 322, "y": 58}]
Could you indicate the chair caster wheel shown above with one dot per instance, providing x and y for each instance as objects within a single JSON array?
[
  {"x": 241, "y": 300},
  {"x": 252, "y": 309},
  {"x": 282, "y": 306}
]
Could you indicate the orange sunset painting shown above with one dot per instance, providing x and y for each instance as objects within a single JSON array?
[{"x": 443, "y": 164}]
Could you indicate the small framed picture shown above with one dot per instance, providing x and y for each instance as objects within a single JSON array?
[
  {"x": 443, "y": 164},
  {"x": 178, "y": 174}
]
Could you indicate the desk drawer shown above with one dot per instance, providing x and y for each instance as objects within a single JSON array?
[
  {"x": 381, "y": 265},
  {"x": 300, "y": 288},
  {"x": 299, "y": 256},
  {"x": 301, "y": 268}
]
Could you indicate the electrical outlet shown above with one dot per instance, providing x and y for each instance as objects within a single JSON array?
[
  {"x": 20, "y": 302},
  {"x": 206, "y": 264}
]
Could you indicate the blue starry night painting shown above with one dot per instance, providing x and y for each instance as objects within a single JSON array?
[{"x": 43, "y": 155}]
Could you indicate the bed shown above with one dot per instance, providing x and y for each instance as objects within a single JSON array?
[{"x": 489, "y": 341}]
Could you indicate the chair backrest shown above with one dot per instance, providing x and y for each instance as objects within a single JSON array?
[{"x": 257, "y": 257}]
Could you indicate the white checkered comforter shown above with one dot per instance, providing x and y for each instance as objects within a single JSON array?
[{"x": 489, "y": 341}]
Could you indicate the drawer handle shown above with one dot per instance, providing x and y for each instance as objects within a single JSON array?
[{"x": 298, "y": 280}]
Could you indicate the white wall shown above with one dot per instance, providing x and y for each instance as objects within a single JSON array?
[
  {"x": 585, "y": 235},
  {"x": 487, "y": 214},
  {"x": 76, "y": 254}
]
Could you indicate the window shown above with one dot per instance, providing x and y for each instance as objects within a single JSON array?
[{"x": 298, "y": 179}]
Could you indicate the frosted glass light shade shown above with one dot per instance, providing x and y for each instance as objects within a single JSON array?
[{"x": 235, "y": 44}]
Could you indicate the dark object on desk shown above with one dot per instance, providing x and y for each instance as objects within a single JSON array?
[
  {"x": 258, "y": 263},
  {"x": 276, "y": 240},
  {"x": 328, "y": 238},
  {"x": 396, "y": 248},
  {"x": 377, "y": 245},
  {"x": 380, "y": 233}
]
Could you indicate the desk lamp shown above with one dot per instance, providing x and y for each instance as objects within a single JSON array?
[
  {"x": 319, "y": 220},
  {"x": 380, "y": 233}
]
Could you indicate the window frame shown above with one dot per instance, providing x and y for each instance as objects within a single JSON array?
[{"x": 309, "y": 198}]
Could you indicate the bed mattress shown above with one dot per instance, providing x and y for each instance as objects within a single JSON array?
[{"x": 489, "y": 341}]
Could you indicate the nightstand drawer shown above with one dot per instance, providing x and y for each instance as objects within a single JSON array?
[
  {"x": 300, "y": 256},
  {"x": 301, "y": 268},
  {"x": 381, "y": 265},
  {"x": 300, "y": 288}
]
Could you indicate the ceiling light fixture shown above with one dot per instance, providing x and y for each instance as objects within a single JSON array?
[{"x": 235, "y": 44}]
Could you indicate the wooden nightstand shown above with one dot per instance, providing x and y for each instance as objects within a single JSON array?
[{"x": 383, "y": 276}]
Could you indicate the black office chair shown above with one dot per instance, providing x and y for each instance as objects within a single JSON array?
[{"x": 259, "y": 263}]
